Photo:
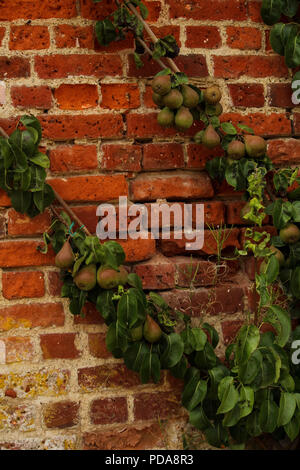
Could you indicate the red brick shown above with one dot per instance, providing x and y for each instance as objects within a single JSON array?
[
  {"x": 39, "y": 97},
  {"x": 107, "y": 377},
  {"x": 243, "y": 38},
  {"x": 31, "y": 316},
  {"x": 262, "y": 124},
  {"x": 55, "y": 283},
  {"x": 187, "y": 186},
  {"x": 2, "y": 34},
  {"x": 2, "y": 226},
  {"x": 161, "y": 405},
  {"x": 297, "y": 123},
  {"x": 202, "y": 10},
  {"x": 254, "y": 11},
  {"x": 138, "y": 250},
  {"x": 91, "y": 316},
  {"x": 23, "y": 253},
  {"x": 63, "y": 66},
  {"x": 4, "y": 199},
  {"x": 91, "y": 188},
  {"x": 28, "y": 37},
  {"x": 162, "y": 156},
  {"x": 62, "y": 414},
  {"x": 251, "y": 66},
  {"x": 162, "y": 31},
  {"x": 67, "y": 158},
  {"x": 198, "y": 155},
  {"x": 21, "y": 224},
  {"x": 115, "y": 46},
  {"x": 281, "y": 95},
  {"x": 100, "y": 11},
  {"x": 97, "y": 345},
  {"x": 120, "y": 96},
  {"x": 18, "y": 349},
  {"x": 109, "y": 410},
  {"x": 122, "y": 157},
  {"x": 195, "y": 271},
  {"x": 70, "y": 36},
  {"x": 87, "y": 215},
  {"x": 247, "y": 95},
  {"x": 93, "y": 126},
  {"x": 284, "y": 151},
  {"x": 230, "y": 329},
  {"x": 157, "y": 274},
  {"x": 233, "y": 213},
  {"x": 17, "y": 285},
  {"x": 138, "y": 437},
  {"x": 14, "y": 67},
  {"x": 146, "y": 126},
  {"x": 194, "y": 65},
  {"x": 59, "y": 346},
  {"x": 80, "y": 96},
  {"x": 18, "y": 9},
  {"x": 203, "y": 37}
]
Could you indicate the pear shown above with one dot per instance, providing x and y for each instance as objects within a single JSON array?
[
  {"x": 278, "y": 254},
  {"x": 166, "y": 118},
  {"x": 210, "y": 137},
  {"x": 255, "y": 146},
  {"x": 184, "y": 118},
  {"x": 290, "y": 234},
  {"x": 190, "y": 97},
  {"x": 152, "y": 331},
  {"x": 236, "y": 150},
  {"x": 174, "y": 99},
  {"x": 85, "y": 279},
  {"x": 109, "y": 278},
  {"x": 212, "y": 94},
  {"x": 65, "y": 257},
  {"x": 161, "y": 84},
  {"x": 136, "y": 333},
  {"x": 158, "y": 100},
  {"x": 218, "y": 109}
]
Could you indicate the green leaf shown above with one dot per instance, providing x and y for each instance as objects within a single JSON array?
[
  {"x": 276, "y": 38},
  {"x": 135, "y": 281},
  {"x": 173, "y": 350},
  {"x": 282, "y": 213},
  {"x": 43, "y": 199},
  {"x": 105, "y": 32},
  {"x": 295, "y": 282},
  {"x": 251, "y": 369},
  {"x": 272, "y": 269},
  {"x": 150, "y": 367},
  {"x": 246, "y": 342},
  {"x": 212, "y": 333},
  {"x": 216, "y": 168},
  {"x": 217, "y": 435},
  {"x": 292, "y": 49},
  {"x": 290, "y": 7},
  {"x": 199, "y": 419},
  {"x": 247, "y": 129},
  {"x": 292, "y": 428},
  {"x": 179, "y": 370},
  {"x": 134, "y": 356},
  {"x": 106, "y": 306},
  {"x": 20, "y": 200},
  {"x": 179, "y": 78},
  {"x": 271, "y": 11},
  {"x": 116, "y": 339},
  {"x": 194, "y": 392},
  {"x": 232, "y": 417},
  {"x": 280, "y": 319},
  {"x": 228, "y": 128},
  {"x": 29, "y": 139},
  {"x": 216, "y": 374},
  {"x": 38, "y": 176},
  {"x": 287, "y": 406},
  {"x": 227, "y": 394},
  {"x": 252, "y": 424},
  {"x": 268, "y": 416},
  {"x": 127, "y": 312},
  {"x": 206, "y": 359},
  {"x": 32, "y": 122},
  {"x": 138, "y": 61},
  {"x": 246, "y": 401},
  {"x": 41, "y": 160},
  {"x": 143, "y": 9}
]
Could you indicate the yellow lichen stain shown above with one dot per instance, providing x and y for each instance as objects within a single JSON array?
[
  {"x": 9, "y": 323},
  {"x": 69, "y": 445},
  {"x": 36, "y": 383}
]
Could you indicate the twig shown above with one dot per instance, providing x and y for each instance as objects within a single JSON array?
[{"x": 163, "y": 66}]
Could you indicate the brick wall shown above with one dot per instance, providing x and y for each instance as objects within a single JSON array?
[{"x": 59, "y": 386}]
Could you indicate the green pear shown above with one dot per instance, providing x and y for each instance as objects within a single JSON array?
[
  {"x": 85, "y": 279},
  {"x": 174, "y": 99},
  {"x": 278, "y": 254},
  {"x": 109, "y": 278},
  {"x": 255, "y": 146},
  {"x": 190, "y": 96},
  {"x": 212, "y": 94},
  {"x": 136, "y": 333},
  {"x": 161, "y": 84},
  {"x": 210, "y": 137},
  {"x": 184, "y": 118},
  {"x": 166, "y": 118},
  {"x": 65, "y": 257},
  {"x": 236, "y": 150},
  {"x": 152, "y": 331},
  {"x": 290, "y": 234},
  {"x": 158, "y": 100}
]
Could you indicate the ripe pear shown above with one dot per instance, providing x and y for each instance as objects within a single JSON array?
[
  {"x": 190, "y": 97},
  {"x": 184, "y": 118},
  {"x": 166, "y": 118},
  {"x": 174, "y": 99},
  {"x": 152, "y": 331},
  {"x": 161, "y": 84},
  {"x": 278, "y": 254},
  {"x": 212, "y": 94},
  {"x": 210, "y": 137},
  {"x": 65, "y": 257},
  {"x": 136, "y": 333},
  {"x": 236, "y": 150},
  {"x": 255, "y": 146},
  {"x": 85, "y": 279},
  {"x": 290, "y": 234},
  {"x": 109, "y": 278},
  {"x": 158, "y": 100}
]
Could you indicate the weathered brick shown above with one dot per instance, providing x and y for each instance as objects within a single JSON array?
[
  {"x": 162, "y": 405},
  {"x": 55, "y": 283},
  {"x": 233, "y": 213},
  {"x": 138, "y": 437},
  {"x": 120, "y": 96},
  {"x": 146, "y": 126},
  {"x": 2, "y": 34},
  {"x": 59, "y": 346},
  {"x": 122, "y": 157},
  {"x": 203, "y": 36},
  {"x": 198, "y": 155},
  {"x": 162, "y": 156},
  {"x": 18, "y": 349},
  {"x": 39, "y": 97},
  {"x": 19, "y": 417},
  {"x": 251, "y": 66},
  {"x": 31, "y": 316},
  {"x": 138, "y": 250},
  {"x": 17, "y": 285},
  {"x": 230, "y": 329},
  {"x": 40, "y": 443},
  {"x": 91, "y": 316},
  {"x": 194, "y": 65},
  {"x": 62, "y": 414},
  {"x": 35, "y": 9},
  {"x": 87, "y": 215},
  {"x": 67, "y": 158},
  {"x": 284, "y": 151},
  {"x": 58, "y": 127},
  {"x": 247, "y": 95},
  {"x": 243, "y": 38},
  {"x": 4, "y": 199},
  {"x": 185, "y": 186},
  {"x": 107, "y": 377},
  {"x": 70, "y": 36},
  {"x": 97, "y": 345},
  {"x": 94, "y": 11},
  {"x": 21, "y": 224},
  {"x": 109, "y": 410},
  {"x": 195, "y": 271},
  {"x": 80, "y": 96},
  {"x": 23, "y": 253},
  {"x": 201, "y": 10},
  {"x": 52, "y": 382},
  {"x": 262, "y": 124},
  {"x": 91, "y": 188},
  {"x": 159, "y": 273},
  {"x": 281, "y": 95},
  {"x": 14, "y": 67},
  {"x": 29, "y": 37},
  {"x": 63, "y": 66}
]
